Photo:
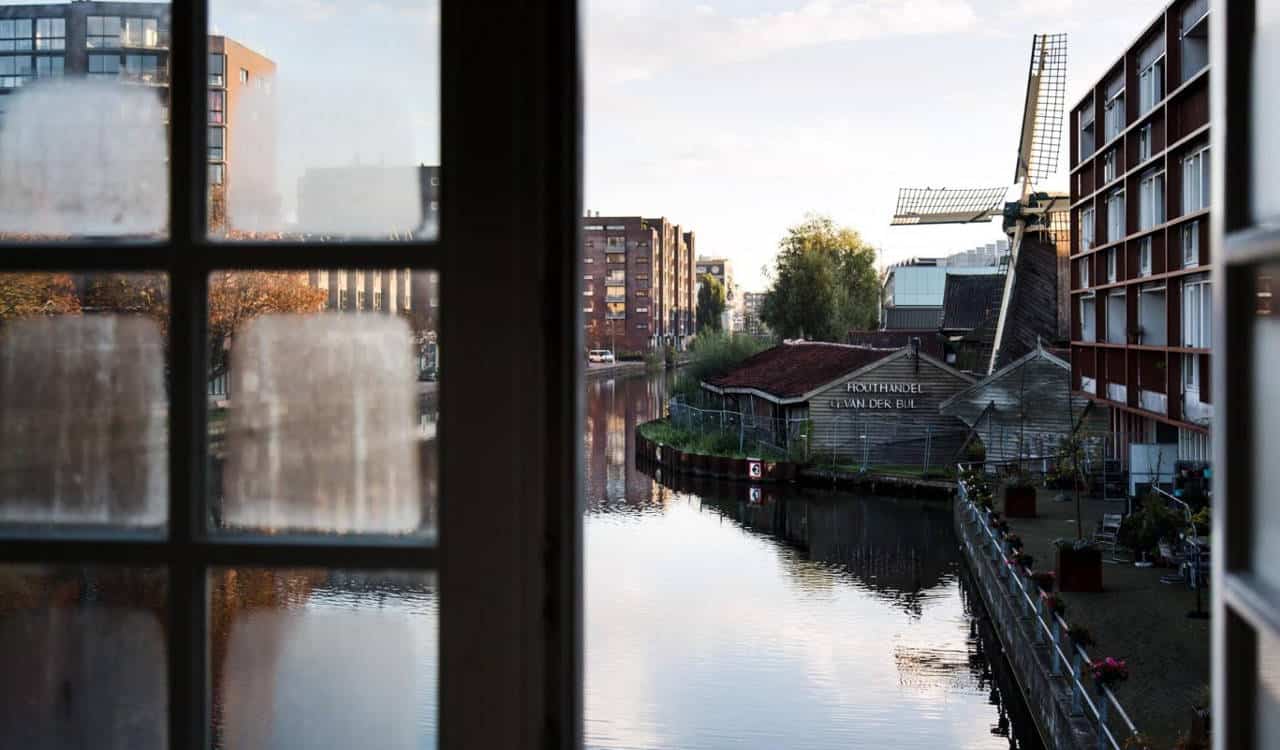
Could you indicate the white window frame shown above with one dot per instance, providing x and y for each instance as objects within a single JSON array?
[
  {"x": 1114, "y": 116},
  {"x": 1088, "y": 234},
  {"x": 1112, "y": 264},
  {"x": 1089, "y": 317},
  {"x": 1116, "y": 219},
  {"x": 1109, "y": 166},
  {"x": 1145, "y": 137},
  {"x": 1197, "y": 322},
  {"x": 1191, "y": 375},
  {"x": 1145, "y": 251},
  {"x": 1189, "y": 239},
  {"x": 1195, "y": 180},
  {"x": 1151, "y": 85},
  {"x": 1084, "y": 272},
  {"x": 1151, "y": 198}
]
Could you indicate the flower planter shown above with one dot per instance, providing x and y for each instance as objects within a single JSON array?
[
  {"x": 1020, "y": 502},
  {"x": 1079, "y": 569}
]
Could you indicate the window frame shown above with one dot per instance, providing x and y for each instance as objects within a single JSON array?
[{"x": 508, "y": 552}]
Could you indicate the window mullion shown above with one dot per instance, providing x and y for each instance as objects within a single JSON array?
[{"x": 188, "y": 603}]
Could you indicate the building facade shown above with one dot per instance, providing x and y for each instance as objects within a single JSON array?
[
  {"x": 721, "y": 269},
  {"x": 129, "y": 42},
  {"x": 241, "y": 103},
  {"x": 1140, "y": 307},
  {"x": 752, "y": 323},
  {"x": 638, "y": 283}
]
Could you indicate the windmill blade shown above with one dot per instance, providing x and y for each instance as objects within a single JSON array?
[
  {"x": 947, "y": 206},
  {"x": 1041, "y": 135},
  {"x": 1006, "y": 299}
]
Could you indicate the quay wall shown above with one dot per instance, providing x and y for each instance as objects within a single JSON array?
[{"x": 1047, "y": 695}]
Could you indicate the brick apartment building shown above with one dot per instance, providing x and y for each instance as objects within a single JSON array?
[
  {"x": 638, "y": 283},
  {"x": 752, "y": 323},
  {"x": 129, "y": 42},
  {"x": 1140, "y": 313}
]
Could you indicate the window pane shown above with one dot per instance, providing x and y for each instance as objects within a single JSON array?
[
  {"x": 323, "y": 659},
  {"x": 300, "y": 166},
  {"x": 83, "y": 404},
  {"x": 84, "y": 657},
  {"x": 345, "y": 444}
]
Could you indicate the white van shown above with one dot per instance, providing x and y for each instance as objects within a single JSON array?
[{"x": 600, "y": 355}]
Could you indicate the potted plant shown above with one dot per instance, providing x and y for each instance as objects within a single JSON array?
[
  {"x": 1024, "y": 560},
  {"x": 1020, "y": 496},
  {"x": 1109, "y": 671},
  {"x": 1078, "y": 565},
  {"x": 1013, "y": 542},
  {"x": 1080, "y": 636}
]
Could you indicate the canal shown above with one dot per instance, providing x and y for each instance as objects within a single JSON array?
[{"x": 809, "y": 620}]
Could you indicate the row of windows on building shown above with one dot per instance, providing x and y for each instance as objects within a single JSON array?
[
  {"x": 1194, "y": 51},
  {"x": 101, "y": 32},
  {"x": 19, "y": 70},
  {"x": 1151, "y": 201}
]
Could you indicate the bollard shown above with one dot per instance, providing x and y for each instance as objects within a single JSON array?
[{"x": 1075, "y": 685}]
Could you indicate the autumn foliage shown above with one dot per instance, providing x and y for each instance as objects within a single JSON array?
[{"x": 235, "y": 297}]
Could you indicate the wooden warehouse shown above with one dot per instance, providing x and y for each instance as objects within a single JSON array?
[
  {"x": 862, "y": 404},
  {"x": 1026, "y": 408}
]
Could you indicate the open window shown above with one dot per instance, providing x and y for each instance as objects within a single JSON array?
[{"x": 174, "y": 503}]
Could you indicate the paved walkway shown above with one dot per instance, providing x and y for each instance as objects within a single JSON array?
[{"x": 1136, "y": 618}]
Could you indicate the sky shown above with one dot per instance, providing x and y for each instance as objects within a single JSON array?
[
  {"x": 733, "y": 118},
  {"x": 737, "y": 118}
]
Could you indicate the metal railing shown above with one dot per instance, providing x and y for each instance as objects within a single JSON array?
[
  {"x": 750, "y": 433},
  {"x": 1049, "y": 628}
]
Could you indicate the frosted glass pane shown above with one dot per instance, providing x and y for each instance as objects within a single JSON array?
[
  {"x": 83, "y": 411},
  {"x": 84, "y": 661},
  {"x": 333, "y": 123},
  {"x": 322, "y": 401},
  {"x": 83, "y": 157},
  {"x": 323, "y": 659}
]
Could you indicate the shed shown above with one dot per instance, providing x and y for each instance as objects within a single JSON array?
[
  {"x": 1026, "y": 408},
  {"x": 864, "y": 405}
]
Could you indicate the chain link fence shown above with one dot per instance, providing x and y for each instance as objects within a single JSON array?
[{"x": 748, "y": 434}]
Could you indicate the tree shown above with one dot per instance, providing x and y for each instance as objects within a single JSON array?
[
  {"x": 824, "y": 282},
  {"x": 24, "y": 295},
  {"x": 710, "y": 303},
  {"x": 235, "y": 298}
]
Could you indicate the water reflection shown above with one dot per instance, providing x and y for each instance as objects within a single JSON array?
[{"x": 721, "y": 617}]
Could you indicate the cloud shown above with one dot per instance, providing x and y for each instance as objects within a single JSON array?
[{"x": 637, "y": 40}]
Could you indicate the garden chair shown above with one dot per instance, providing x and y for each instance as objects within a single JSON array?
[{"x": 1107, "y": 535}]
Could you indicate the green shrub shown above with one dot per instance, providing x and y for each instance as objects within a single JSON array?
[{"x": 713, "y": 354}]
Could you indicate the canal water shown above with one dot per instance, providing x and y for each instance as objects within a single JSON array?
[{"x": 804, "y": 620}]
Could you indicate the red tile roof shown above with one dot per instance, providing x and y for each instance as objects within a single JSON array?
[{"x": 791, "y": 370}]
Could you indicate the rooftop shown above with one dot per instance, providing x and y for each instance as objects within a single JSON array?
[
  {"x": 793, "y": 369},
  {"x": 930, "y": 341},
  {"x": 970, "y": 300}
]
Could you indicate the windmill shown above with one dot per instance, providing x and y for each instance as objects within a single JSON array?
[{"x": 1034, "y": 213}]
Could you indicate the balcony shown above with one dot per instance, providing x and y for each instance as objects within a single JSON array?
[
  {"x": 1194, "y": 410},
  {"x": 1152, "y": 401},
  {"x": 1118, "y": 392},
  {"x": 1089, "y": 385}
]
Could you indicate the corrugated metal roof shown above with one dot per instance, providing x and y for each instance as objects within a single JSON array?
[{"x": 906, "y": 318}]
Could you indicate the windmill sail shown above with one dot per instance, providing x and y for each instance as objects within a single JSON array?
[
  {"x": 947, "y": 206},
  {"x": 1041, "y": 135}
]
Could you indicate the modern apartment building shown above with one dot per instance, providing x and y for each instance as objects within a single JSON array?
[
  {"x": 637, "y": 283},
  {"x": 242, "y": 129},
  {"x": 1140, "y": 308},
  {"x": 129, "y": 42}
]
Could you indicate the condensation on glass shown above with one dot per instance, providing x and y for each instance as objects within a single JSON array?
[
  {"x": 331, "y": 127},
  {"x": 83, "y": 650},
  {"x": 83, "y": 406},
  {"x": 322, "y": 401},
  {"x": 323, "y": 659},
  {"x": 83, "y": 156}
]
